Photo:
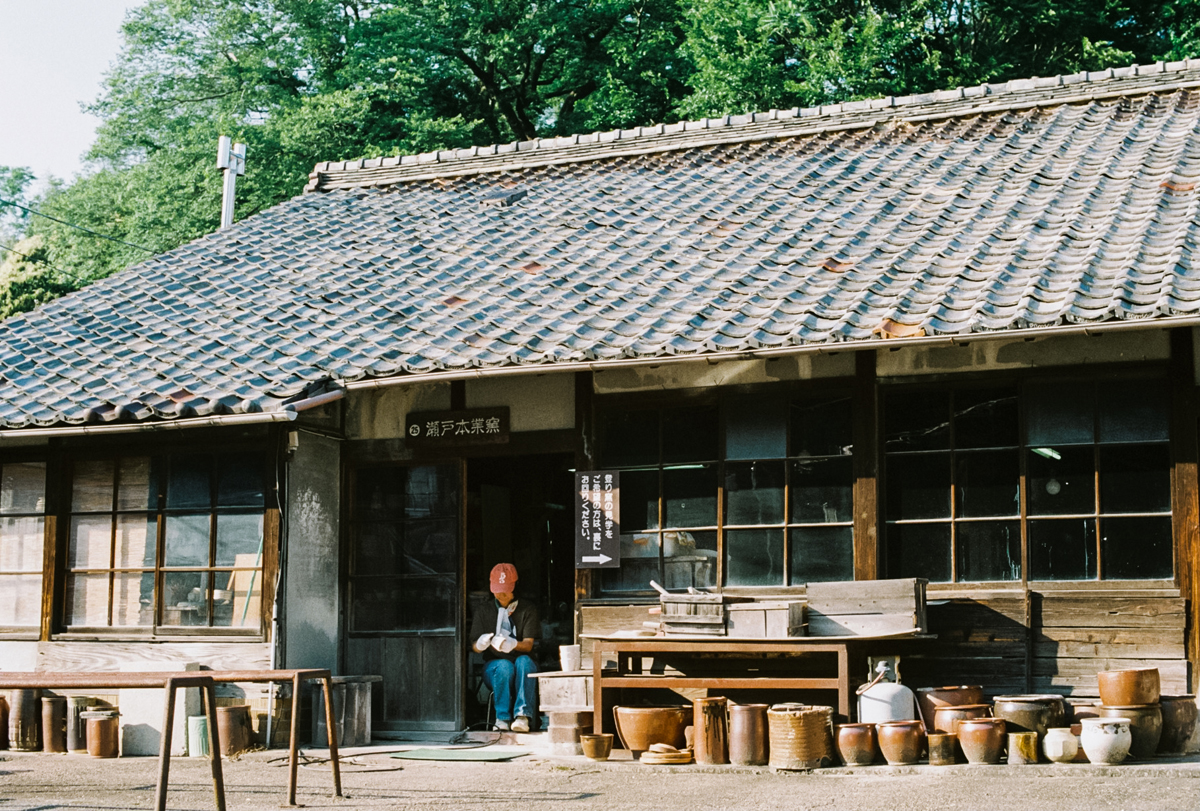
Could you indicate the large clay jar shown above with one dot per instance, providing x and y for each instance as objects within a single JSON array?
[
  {"x": 981, "y": 739},
  {"x": 1032, "y": 713},
  {"x": 856, "y": 744},
  {"x": 1105, "y": 740},
  {"x": 947, "y": 717},
  {"x": 1060, "y": 745},
  {"x": 1123, "y": 688},
  {"x": 900, "y": 741},
  {"x": 1179, "y": 715},
  {"x": 930, "y": 698},
  {"x": 639, "y": 727},
  {"x": 1145, "y": 727}
]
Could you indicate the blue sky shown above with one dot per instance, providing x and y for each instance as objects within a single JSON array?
[{"x": 53, "y": 54}]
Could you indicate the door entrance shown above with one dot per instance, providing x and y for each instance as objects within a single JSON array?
[{"x": 520, "y": 510}]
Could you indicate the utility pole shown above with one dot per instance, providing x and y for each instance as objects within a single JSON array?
[{"x": 232, "y": 158}]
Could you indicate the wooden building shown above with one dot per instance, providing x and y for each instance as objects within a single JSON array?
[{"x": 950, "y": 336}]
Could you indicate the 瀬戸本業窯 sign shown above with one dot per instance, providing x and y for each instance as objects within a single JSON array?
[
  {"x": 597, "y": 520},
  {"x": 474, "y": 426}
]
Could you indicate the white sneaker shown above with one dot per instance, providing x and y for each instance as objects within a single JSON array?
[
  {"x": 521, "y": 724},
  {"x": 502, "y": 725}
]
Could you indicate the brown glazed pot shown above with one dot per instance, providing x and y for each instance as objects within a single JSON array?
[
  {"x": 1179, "y": 715},
  {"x": 1145, "y": 727},
  {"x": 856, "y": 744},
  {"x": 748, "y": 734},
  {"x": 900, "y": 741},
  {"x": 943, "y": 749},
  {"x": 982, "y": 739},
  {"x": 1127, "y": 688},
  {"x": 930, "y": 698},
  {"x": 947, "y": 717},
  {"x": 596, "y": 747},
  {"x": 1032, "y": 713},
  {"x": 639, "y": 727}
]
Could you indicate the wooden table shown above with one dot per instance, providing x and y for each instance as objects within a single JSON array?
[{"x": 843, "y": 668}]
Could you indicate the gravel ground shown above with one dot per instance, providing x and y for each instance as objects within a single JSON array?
[{"x": 255, "y": 782}]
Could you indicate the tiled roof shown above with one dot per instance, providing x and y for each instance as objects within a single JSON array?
[{"x": 1072, "y": 200}]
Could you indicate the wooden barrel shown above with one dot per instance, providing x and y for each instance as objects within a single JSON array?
[
  {"x": 801, "y": 736},
  {"x": 25, "y": 720}
]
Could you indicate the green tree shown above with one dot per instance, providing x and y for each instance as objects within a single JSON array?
[
  {"x": 28, "y": 280},
  {"x": 14, "y": 185}
]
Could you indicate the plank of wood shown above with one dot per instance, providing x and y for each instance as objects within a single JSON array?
[
  {"x": 859, "y": 624},
  {"x": 1085, "y": 669},
  {"x": 1098, "y": 611},
  {"x": 602, "y": 620},
  {"x": 54, "y": 657},
  {"x": 1096, "y": 650},
  {"x": 1174, "y": 682},
  {"x": 866, "y": 597}
]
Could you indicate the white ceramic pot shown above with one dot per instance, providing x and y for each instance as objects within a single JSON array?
[
  {"x": 1106, "y": 740},
  {"x": 1060, "y": 745}
]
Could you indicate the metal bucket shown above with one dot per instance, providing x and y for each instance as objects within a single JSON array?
[{"x": 233, "y": 728}]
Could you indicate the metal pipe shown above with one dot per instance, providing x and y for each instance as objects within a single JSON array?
[
  {"x": 285, "y": 415},
  {"x": 318, "y": 400}
]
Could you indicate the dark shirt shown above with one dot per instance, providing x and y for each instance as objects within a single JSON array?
[{"x": 524, "y": 619}]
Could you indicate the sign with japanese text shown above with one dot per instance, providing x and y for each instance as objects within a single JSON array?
[
  {"x": 597, "y": 520},
  {"x": 474, "y": 426}
]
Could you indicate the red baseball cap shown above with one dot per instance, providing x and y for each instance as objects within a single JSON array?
[{"x": 503, "y": 578}]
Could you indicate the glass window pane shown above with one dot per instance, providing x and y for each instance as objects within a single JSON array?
[
  {"x": 1134, "y": 411},
  {"x": 133, "y": 599},
  {"x": 919, "y": 550},
  {"x": 989, "y": 550},
  {"x": 1060, "y": 413},
  {"x": 377, "y": 549},
  {"x": 427, "y": 603},
  {"x": 237, "y": 599},
  {"x": 918, "y": 486},
  {"x": 21, "y": 543},
  {"x": 240, "y": 480},
  {"x": 431, "y": 491},
  {"x": 755, "y": 557},
  {"x": 92, "y": 486},
  {"x": 639, "y": 500},
  {"x": 23, "y": 487},
  {"x": 1135, "y": 479},
  {"x": 1136, "y": 548},
  {"x": 917, "y": 420},
  {"x": 628, "y": 438},
  {"x": 186, "y": 541},
  {"x": 21, "y": 600},
  {"x": 87, "y": 600},
  {"x": 137, "y": 537},
  {"x": 1061, "y": 480},
  {"x": 986, "y": 418},
  {"x": 185, "y": 598},
  {"x": 988, "y": 483},
  {"x": 634, "y": 574},
  {"x": 689, "y": 434},
  {"x": 640, "y": 545},
  {"x": 689, "y": 559},
  {"x": 431, "y": 547},
  {"x": 822, "y": 554},
  {"x": 375, "y": 604},
  {"x": 689, "y": 496},
  {"x": 134, "y": 484},
  {"x": 1063, "y": 549},
  {"x": 822, "y": 427},
  {"x": 188, "y": 484},
  {"x": 90, "y": 544},
  {"x": 822, "y": 490},
  {"x": 753, "y": 493},
  {"x": 239, "y": 539},
  {"x": 378, "y": 493},
  {"x": 756, "y": 428}
]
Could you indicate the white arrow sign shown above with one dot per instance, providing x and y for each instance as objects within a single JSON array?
[{"x": 600, "y": 559}]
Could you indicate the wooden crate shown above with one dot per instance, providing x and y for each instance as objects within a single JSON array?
[
  {"x": 766, "y": 619},
  {"x": 695, "y": 614},
  {"x": 867, "y": 607}
]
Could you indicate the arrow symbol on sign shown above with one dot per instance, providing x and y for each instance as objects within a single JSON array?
[{"x": 601, "y": 558}]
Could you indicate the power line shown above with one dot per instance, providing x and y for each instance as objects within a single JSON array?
[
  {"x": 36, "y": 213},
  {"x": 55, "y": 268}
]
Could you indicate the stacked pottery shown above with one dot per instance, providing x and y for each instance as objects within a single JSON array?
[
  {"x": 947, "y": 717},
  {"x": 1133, "y": 694},
  {"x": 1032, "y": 713},
  {"x": 930, "y": 698}
]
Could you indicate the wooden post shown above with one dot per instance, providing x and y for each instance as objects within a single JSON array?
[
  {"x": 867, "y": 536},
  {"x": 1185, "y": 491},
  {"x": 585, "y": 458}
]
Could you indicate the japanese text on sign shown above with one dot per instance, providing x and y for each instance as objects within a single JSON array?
[
  {"x": 474, "y": 426},
  {"x": 597, "y": 519}
]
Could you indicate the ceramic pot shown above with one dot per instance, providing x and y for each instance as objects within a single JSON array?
[
  {"x": 1124, "y": 688},
  {"x": 639, "y": 727},
  {"x": 1022, "y": 748},
  {"x": 947, "y": 717},
  {"x": 1079, "y": 708},
  {"x": 748, "y": 734},
  {"x": 596, "y": 747},
  {"x": 1031, "y": 713},
  {"x": 900, "y": 741},
  {"x": 1179, "y": 715},
  {"x": 856, "y": 744},
  {"x": 930, "y": 698},
  {"x": 1145, "y": 727},
  {"x": 1060, "y": 745},
  {"x": 1105, "y": 740},
  {"x": 943, "y": 749},
  {"x": 981, "y": 739}
]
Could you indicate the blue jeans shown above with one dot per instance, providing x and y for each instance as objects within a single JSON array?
[{"x": 515, "y": 692}]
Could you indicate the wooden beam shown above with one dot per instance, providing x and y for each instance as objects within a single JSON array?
[
  {"x": 867, "y": 536},
  {"x": 1185, "y": 487},
  {"x": 585, "y": 459}
]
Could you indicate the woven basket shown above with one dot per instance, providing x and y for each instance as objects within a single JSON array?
[{"x": 801, "y": 736}]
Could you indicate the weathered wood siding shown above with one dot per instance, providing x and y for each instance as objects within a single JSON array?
[{"x": 981, "y": 639}]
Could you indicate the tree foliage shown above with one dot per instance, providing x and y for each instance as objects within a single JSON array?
[{"x": 302, "y": 81}]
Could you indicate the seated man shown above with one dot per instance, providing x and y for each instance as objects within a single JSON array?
[{"x": 505, "y": 637}]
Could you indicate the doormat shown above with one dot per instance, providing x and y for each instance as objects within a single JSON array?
[{"x": 477, "y": 754}]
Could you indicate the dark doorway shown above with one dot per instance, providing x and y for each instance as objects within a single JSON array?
[{"x": 520, "y": 510}]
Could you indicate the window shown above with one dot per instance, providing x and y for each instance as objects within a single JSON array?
[
  {"x": 1094, "y": 461},
  {"x": 173, "y": 541},
  {"x": 22, "y": 539}
]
